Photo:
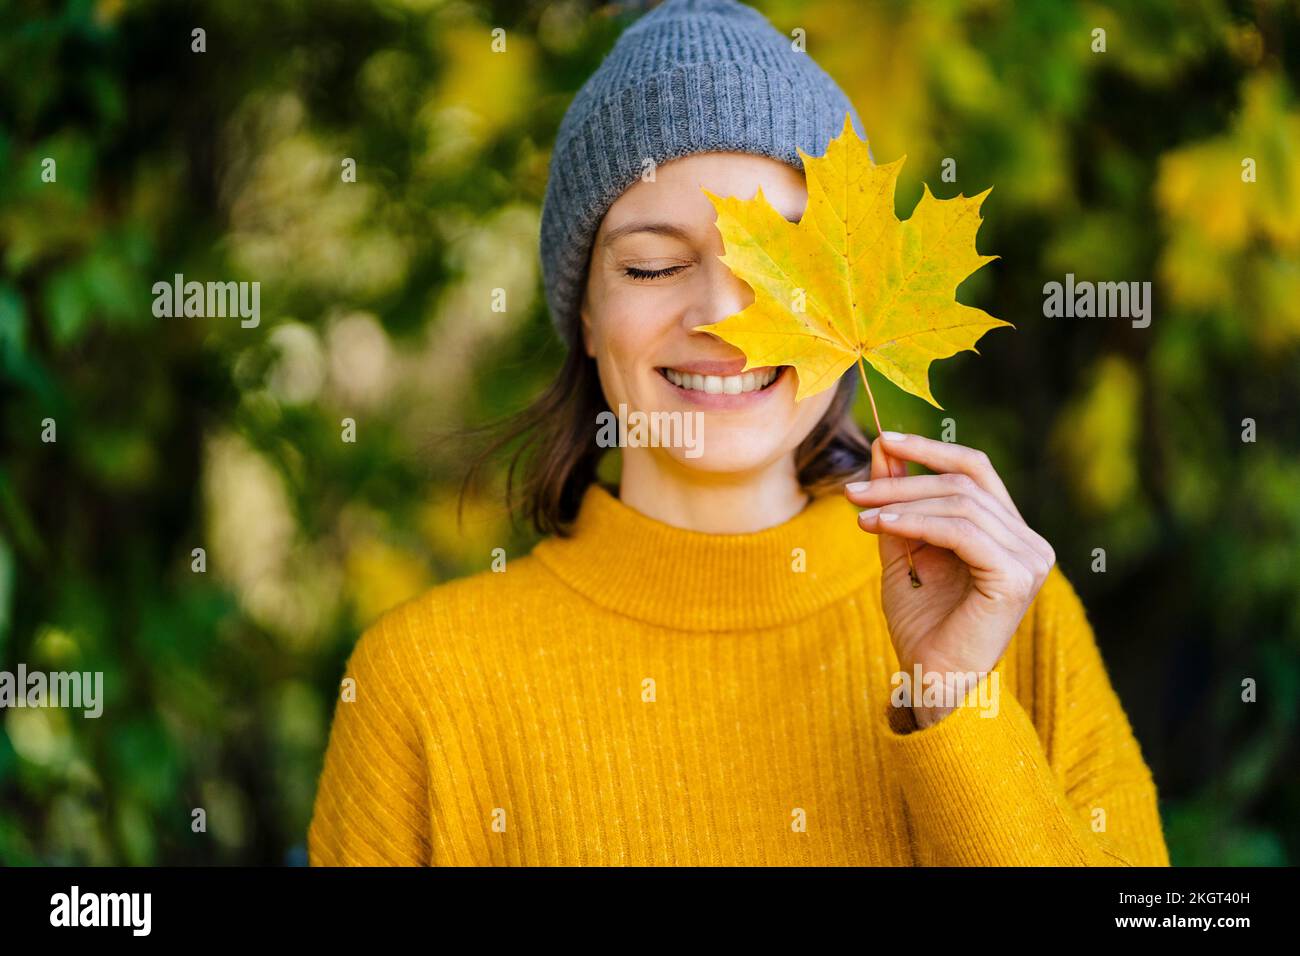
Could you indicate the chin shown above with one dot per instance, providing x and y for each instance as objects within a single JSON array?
[{"x": 734, "y": 452}]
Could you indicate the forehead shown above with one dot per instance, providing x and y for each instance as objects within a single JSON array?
[{"x": 677, "y": 192}]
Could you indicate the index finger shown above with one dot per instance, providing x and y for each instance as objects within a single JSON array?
[{"x": 944, "y": 456}]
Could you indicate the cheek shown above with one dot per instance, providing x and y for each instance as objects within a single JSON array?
[
  {"x": 810, "y": 411},
  {"x": 629, "y": 336},
  {"x": 624, "y": 353}
]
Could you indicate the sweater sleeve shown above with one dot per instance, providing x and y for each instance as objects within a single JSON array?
[
  {"x": 372, "y": 802},
  {"x": 982, "y": 791}
]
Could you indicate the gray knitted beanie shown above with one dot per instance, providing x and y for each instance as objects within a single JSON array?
[{"x": 691, "y": 76}]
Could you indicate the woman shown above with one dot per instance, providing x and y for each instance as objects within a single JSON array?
[{"x": 720, "y": 661}]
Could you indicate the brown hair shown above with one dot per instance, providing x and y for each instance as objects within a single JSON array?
[{"x": 559, "y": 455}]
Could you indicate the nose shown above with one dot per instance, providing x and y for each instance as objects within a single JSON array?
[{"x": 726, "y": 295}]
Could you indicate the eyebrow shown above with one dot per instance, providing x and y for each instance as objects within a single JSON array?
[{"x": 659, "y": 228}]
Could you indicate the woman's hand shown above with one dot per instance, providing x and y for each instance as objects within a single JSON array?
[{"x": 979, "y": 564}]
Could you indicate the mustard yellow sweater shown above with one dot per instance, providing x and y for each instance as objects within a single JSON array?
[{"x": 638, "y": 694}]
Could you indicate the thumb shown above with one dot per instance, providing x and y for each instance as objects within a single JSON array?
[
  {"x": 883, "y": 465},
  {"x": 882, "y": 462}
]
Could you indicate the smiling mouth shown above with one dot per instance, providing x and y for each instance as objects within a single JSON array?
[{"x": 756, "y": 381}]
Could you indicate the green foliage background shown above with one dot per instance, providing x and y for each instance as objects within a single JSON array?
[{"x": 174, "y": 434}]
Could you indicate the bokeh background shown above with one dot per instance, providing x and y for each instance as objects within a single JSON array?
[{"x": 174, "y": 434}]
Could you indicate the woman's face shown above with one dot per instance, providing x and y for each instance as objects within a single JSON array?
[{"x": 654, "y": 274}]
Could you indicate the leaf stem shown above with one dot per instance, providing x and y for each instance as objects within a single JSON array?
[{"x": 862, "y": 370}]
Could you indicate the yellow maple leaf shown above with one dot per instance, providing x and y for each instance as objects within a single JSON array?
[{"x": 849, "y": 281}]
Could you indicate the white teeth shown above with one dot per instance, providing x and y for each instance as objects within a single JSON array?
[{"x": 722, "y": 384}]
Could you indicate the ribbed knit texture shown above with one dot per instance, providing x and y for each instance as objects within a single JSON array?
[
  {"x": 503, "y": 719},
  {"x": 691, "y": 76}
]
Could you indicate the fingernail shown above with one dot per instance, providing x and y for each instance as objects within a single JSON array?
[
  {"x": 856, "y": 487},
  {"x": 870, "y": 513},
  {"x": 889, "y": 516},
  {"x": 892, "y": 436}
]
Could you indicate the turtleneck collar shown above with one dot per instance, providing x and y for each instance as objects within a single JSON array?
[{"x": 638, "y": 566}]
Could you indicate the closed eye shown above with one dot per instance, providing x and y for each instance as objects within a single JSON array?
[{"x": 633, "y": 273}]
